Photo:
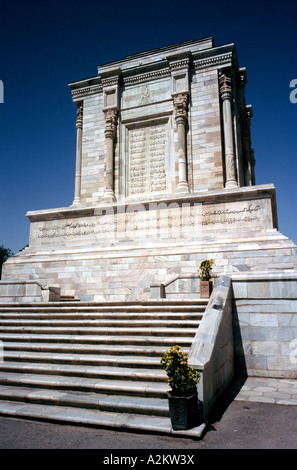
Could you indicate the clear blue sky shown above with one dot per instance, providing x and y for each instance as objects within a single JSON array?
[{"x": 47, "y": 44}]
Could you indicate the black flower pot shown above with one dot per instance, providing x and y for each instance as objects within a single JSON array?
[{"x": 184, "y": 411}]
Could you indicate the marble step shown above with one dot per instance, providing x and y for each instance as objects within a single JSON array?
[
  {"x": 173, "y": 306},
  {"x": 96, "y": 339},
  {"x": 99, "y": 401},
  {"x": 99, "y": 419},
  {"x": 82, "y": 359},
  {"x": 143, "y": 316},
  {"x": 76, "y": 370},
  {"x": 102, "y": 316},
  {"x": 90, "y": 349},
  {"x": 74, "y": 323},
  {"x": 124, "y": 304},
  {"x": 128, "y": 331},
  {"x": 146, "y": 388}
]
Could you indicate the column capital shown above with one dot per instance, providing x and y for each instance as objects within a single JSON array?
[
  {"x": 79, "y": 117},
  {"x": 225, "y": 87},
  {"x": 180, "y": 102},
  {"x": 111, "y": 116}
]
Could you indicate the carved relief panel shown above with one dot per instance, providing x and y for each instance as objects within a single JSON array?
[
  {"x": 146, "y": 110},
  {"x": 147, "y": 159}
]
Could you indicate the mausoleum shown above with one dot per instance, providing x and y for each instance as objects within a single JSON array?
[{"x": 164, "y": 179}]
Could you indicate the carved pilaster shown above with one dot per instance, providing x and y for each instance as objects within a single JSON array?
[
  {"x": 180, "y": 102},
  {"x": 226, "y": 96},
  {"x": 79, "y": 126},
  {"x": 110, "y": 132},
  {"x": 111, "y": 116}
]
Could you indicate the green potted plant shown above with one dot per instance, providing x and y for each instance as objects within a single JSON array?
[
  {"x": 205, "y": 276},
  {"x": 182, "y": 398}
]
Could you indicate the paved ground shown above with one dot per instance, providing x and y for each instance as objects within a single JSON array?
[{"x": 257, "y": 414}]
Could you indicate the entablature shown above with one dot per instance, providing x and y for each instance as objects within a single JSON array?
[{"x": 156, "y": 65}]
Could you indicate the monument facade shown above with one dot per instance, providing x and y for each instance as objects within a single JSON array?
[{"x": 164, "y": 178}]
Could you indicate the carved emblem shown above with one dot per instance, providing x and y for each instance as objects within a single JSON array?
[{"x": 146, "y": 96}]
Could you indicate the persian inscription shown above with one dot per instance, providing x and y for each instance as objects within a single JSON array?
[
  {"x": 229, "y": 216},
  {"x": 155, "y": 220},
  {"x": 147, "y": 159}
]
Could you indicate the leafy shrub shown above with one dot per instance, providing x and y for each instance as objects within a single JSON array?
[{"x": 182, "y": 378}]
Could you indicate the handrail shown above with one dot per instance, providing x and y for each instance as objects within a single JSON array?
[{"x": 212, "y": 351}]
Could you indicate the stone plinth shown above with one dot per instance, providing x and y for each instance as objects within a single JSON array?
[
  {"x": 115, "y": 252},
  {"x": 193, "y": 217}
]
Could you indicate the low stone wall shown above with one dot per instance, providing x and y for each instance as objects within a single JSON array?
[
  {"x": 27, "y": 291},
  {"x": 265, "y": 324},
  {"x": 212, "y": 352}
]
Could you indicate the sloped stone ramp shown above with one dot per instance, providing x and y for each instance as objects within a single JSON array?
[{"x": 94, "y": 364}]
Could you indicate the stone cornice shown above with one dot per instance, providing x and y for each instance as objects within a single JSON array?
[
  {"x": 179, "y": 64},
  {"x": 226, "y": 195},
  {"x": 162, "y": 67},
  {"x": 155, "y": 75},
  {"x": 219, "y": 60},
  {"x": 78, "y": 94}
]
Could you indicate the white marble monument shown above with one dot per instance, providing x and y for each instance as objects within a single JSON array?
[{"x": 164, "y": 178}]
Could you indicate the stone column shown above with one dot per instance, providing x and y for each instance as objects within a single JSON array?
[
  {"x": 79, "y": 125},
  {"x": 110, "y": 131},
  {"x": 246, "y": 115},
  {"x": 180, "y": 106},
  {"x": 226, "y": 96}
]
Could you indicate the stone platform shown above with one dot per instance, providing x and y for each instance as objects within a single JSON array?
[{"x": 115, "y": 252}]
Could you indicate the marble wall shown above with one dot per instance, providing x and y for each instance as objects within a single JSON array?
[{"x": 265, "y": 324}]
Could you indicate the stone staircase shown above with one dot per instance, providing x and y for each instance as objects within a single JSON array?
[{"x": 93, "y": 364}]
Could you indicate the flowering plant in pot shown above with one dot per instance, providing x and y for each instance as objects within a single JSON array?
[
  {"x": 205, "y": 275},
  {"x": 183, "y": 380}
]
